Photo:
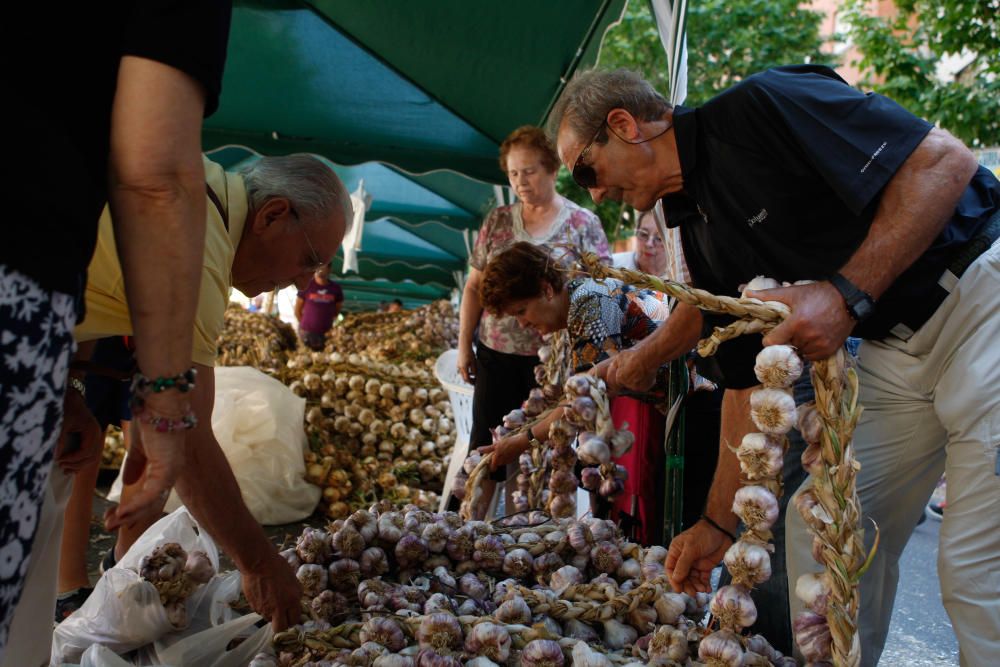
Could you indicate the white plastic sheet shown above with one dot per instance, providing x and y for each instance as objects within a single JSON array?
[{"x": 258, "y": 423}]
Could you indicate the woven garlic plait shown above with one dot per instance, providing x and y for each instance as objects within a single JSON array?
[{"x": 832, "y": 510}]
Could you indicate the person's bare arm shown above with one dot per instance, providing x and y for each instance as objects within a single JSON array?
[
  {"x": 468, "y": 317},
  {"x": 157, "y": 198},
  {"x": 697, "y": 550},
  {"x": 299, "y": 305},
  {"x": 209, "y": 490},
  {"x": 915, "y": 206},
  {"x": 636, "y": 367}
]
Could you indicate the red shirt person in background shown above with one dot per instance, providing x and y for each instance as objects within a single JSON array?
[{"x": 316, "y": 307}]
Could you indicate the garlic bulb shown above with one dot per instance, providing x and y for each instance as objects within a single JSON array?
[
  {"x": 489, "y": 640},
  {"x": 348, "y": 542},
  {"x": 759, "y": 283},
  {"x": 430, "y": 658},
  {"x": 655, "y": 554},
  {"x": 198, "y": 567},
  {"x": 812, "y": 459},
  {"x": 313, "y": 579},
  {"x": 761, "y": 456},
  {"x": 812, "y": 636},
  {"x": 313, "y": 546},
  {"x": 756, "y": 506},
  {"x": 814, "y": 514},
  {"x": 606, "y": 557},
  {"x": 565, "y": 577},
  {"x": 263, "y": 660},
  {"x": 733, "y": 608},
  {"x": 291, "y": 557},
  {"x": 668, "y": 644},
  {"x": 584, "y": 656},
  {"x": 809, "y": 423},
  {"x": 472, "y": 586},
  {"x": 642, "y": 618},
  {"x": 814, "y": 591},
  {"x": 410, "y": 551},
  {"x": 594, "y": 451},
  {"x": 344, "y": 575},
  {"x": 618, "y": 635},
  {"x": 438, "y": 602},
  {"x": 489, "y": 552},
  {"x": 576, "y": 629},
  {"x": 590, "y": 478},
  {"x": 669, "y": 608},
  {"x": 373, "y": 562},
  {"x": 579, "y": 537},
  {"x": 773, "y": 410},
  {"x": 778, "y": 366},
  {"x": 461, "y": 544},
  {"x": 518, "y": 563},
  {"x": 514, "y": 611},
  {"x": 384, "y": 631},
  {"x": 749, "y": 563},
  {"x": 439, "y": 631},
  {"x": 721, "y": 649},
  {"x": 542, "y": 653}
]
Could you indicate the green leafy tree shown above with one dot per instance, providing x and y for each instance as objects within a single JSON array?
[
  {"x": 901, "y": 56},
  {"x": 727, "y": 41}
]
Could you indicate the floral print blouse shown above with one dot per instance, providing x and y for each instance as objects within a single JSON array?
[
  {"x": 609, "y": 316},
  {"x": 575, "y": 226}
]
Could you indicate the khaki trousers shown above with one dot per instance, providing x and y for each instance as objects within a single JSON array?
[{"x": 931, "y": 405}]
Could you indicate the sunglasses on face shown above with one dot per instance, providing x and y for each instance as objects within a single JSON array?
[{"x": 584, "y": 174}]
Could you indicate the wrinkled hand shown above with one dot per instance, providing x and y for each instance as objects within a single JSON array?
[
  {"x": 630, "y": 369},
  {"x": 273, "y": 591},
  {"x": 819, "y": 323},
  {"x": 507, "y": 450},
  {"x": 154, "y": 460},
  {"x": 467, "y": 364},
  {"x": 692, "y": 556},
  {"x": 82, "y": 430}
]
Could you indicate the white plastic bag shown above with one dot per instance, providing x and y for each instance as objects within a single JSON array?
[
  {"x": 124, "y": 612},
  {"x": 258, "y": 423}
]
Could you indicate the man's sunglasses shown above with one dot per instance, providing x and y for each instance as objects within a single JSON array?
[{"x": 584, "y": 174}]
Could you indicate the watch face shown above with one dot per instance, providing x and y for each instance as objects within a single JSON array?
[{"x": 862, "y": 308}]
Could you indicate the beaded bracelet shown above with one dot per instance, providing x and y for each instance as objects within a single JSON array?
[
  {"x": 165, "y": 424},
  {"x": 143, "y": 386}
]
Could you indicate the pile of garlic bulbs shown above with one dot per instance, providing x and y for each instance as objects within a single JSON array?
[
  {"x": 376, "y": 431},
  {"x": 410, "y": 587},
  {"x": 254, "y": 339},
  {"x": 761, "y": 457},
  {"x": 417, "y": 334},
  {"x": 176, "y": 574}
]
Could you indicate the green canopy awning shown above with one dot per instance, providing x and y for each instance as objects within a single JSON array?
[
  {"x": 428, "y": 89},
  {"x": 423, "y": 86}
]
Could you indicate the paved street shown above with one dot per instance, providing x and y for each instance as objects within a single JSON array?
[{"x": 921, "y": 633}]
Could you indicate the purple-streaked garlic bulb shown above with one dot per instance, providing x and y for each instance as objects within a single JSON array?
[
  {"x": 489, "y": 640},
  {"x": 542, "y": 653},
  {"x": 606, "y": 557},
  {"x": 411, "y": 551},
  {"x": 439, "y": 631},
  {"x": 518, "y": 563},
  {"x": 313, "y": 579},
  {"x": 756, "y": 506},
  {"x": 489, "y": 552},
  {"x": 344, "y": 575},
  {"x": 514, "y": 611},
  {"x": 734, "y": 608}
]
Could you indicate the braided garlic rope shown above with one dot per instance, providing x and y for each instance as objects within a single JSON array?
[{"x": 836, "y": 388}]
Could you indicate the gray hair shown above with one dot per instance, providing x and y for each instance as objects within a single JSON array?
[
  {"x": 591, "y": 94},
  {"x": 312, "y": 187}
]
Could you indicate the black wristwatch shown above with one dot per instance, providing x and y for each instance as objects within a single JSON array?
[{"x": 860, "y": 304}]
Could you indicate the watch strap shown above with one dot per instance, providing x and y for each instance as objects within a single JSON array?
[{"x": 859, "y": 303}]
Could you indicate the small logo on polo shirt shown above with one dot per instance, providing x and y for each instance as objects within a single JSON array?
[
  {"x": 757, "y": 219},
  {"x": 874, "y": 155}
]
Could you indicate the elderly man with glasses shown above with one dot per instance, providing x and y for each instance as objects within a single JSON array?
[
  {"x": 272, "y": 225},
  {"x": 795, "y": 175}
]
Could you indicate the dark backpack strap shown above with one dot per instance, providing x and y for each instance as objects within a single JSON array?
[{"x": 218, "y": 205}]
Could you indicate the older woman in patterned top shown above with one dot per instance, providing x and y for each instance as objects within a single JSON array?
[
  {"x": 500, "y": 361},
  {"x": 602, "y": 318}
]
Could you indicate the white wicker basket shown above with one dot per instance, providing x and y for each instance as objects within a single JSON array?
[{"x": 460, "y": 393}]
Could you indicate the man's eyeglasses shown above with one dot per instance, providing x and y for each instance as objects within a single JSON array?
[
  {"x": 317, "y": 263},
  {"x": 584, "y": 174},
  {"x": 644, "y": 237}
]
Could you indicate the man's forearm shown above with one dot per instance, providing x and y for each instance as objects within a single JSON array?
[
  {"x": 736, "y": 423},
  {"x": 915, "y": 206},
  {"x": 209, "y": 490},
  {"x": 674, "y": 338}
]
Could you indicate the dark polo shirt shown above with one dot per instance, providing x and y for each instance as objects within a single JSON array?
[{"x": 783, "y": 174}]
